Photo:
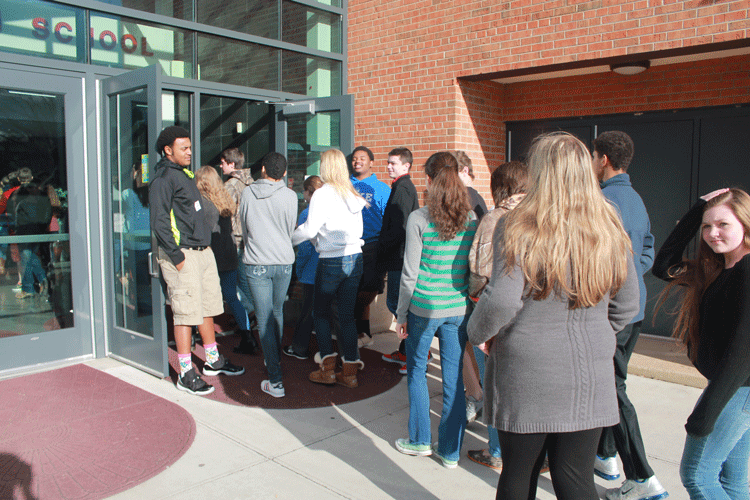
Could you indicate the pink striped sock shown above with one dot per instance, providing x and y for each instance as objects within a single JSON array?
[
  {"x": 212, "y": 353},
  {"x": 185, "y": 363}
]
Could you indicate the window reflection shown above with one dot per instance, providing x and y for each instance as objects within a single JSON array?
[{"x": 35, "y": 272}]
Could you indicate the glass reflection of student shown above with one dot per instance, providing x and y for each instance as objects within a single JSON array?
[{"x": 136, "y": 244}]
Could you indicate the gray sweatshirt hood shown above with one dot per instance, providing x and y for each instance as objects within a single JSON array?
[{"x": 265, "y": 188}]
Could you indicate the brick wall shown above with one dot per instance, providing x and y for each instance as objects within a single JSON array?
[{"x": 405, "y": 58}]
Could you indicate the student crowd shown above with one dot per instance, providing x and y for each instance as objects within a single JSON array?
[{"x": 548, "y": 288}]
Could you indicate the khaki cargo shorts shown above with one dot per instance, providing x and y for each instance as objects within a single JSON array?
[{"x": 195, "y": 291}]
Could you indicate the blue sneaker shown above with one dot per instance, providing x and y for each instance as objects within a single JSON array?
[{"x": 606, "y": 468}]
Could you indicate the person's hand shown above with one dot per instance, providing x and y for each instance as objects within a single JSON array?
[
  {"x": 401, "y": 331},
  {"x": 714, "y": 194},
  {"x": 486, "y": 346},
  {"x": 180, "y": 265}
]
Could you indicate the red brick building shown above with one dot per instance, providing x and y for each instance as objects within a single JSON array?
[
  {"x": 450, "y": 75},
  {"x": 485, "y": 77}
]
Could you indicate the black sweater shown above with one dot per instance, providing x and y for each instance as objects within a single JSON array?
[
  {"x": 173, "y": 191},
  {"x": 402, "y": 201},
  {"x": 222, "y": 242},
  {"x": 723, "y": 355}
]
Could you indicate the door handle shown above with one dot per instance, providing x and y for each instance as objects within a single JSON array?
[{"x": 152, "y": 266}]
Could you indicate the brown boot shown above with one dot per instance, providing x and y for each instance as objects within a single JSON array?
[
  {"x": 325, "y": 374},
  {"x": 348, "y": 374}
]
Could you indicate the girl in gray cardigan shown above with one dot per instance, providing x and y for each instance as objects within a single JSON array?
[{"x": 563, "y": 283}]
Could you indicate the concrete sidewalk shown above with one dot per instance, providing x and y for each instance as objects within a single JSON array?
[{"x": 348, "y": 451}]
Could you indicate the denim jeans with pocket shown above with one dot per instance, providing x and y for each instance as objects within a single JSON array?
[
  {"x": 337, "y": 277},
  {"x": 268, "y": 286},
  {"x": 715, "y": 467},
  {"x": 451, "y": 334}
]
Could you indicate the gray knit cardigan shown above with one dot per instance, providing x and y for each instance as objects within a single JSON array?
[{"x": 550, "y": 367}]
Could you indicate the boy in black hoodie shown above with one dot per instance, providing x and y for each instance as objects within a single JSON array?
[{"x": 185, "y": 258}]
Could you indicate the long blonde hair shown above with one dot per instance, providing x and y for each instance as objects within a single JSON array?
[
  {"x": 334, "y": 172},
  {"x": 210, "y": 185},
  {"x": 695, "y": 275},
  {"x": 565, "y": 236}
]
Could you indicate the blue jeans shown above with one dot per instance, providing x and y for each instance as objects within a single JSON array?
[
  {"x": 268, "y": 286},
  {"x": 228, "y": 280},
  {"x": 243, "y": 289},
  {"x": 391, "y": 298},
  {"x": 493, "y": 440},
  {"x": 451, "y": 333},
  {"x": 32, "y": 267},
  {"x": 714, "y": 467},
  {"x": 337, "y": 277}
]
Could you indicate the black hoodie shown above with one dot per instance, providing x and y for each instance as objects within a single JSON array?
[{"x": 173, "y": 192}]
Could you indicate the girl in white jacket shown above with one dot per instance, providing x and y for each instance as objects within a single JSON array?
[{"x": 334, "y": 225}]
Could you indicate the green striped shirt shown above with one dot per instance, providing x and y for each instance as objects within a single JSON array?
[{"x": 435, "y": 274}]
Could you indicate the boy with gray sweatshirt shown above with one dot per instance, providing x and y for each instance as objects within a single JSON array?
[{"x": 268, "y": 211}]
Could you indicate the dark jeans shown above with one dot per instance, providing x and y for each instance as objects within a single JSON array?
[
  {"x": 571, "y": 462},
  {"x": 337, "y": 277},
  {"x": 32, "y": 267},
  {"x": 228, "y": 280},
  {"x": 625, "y": 437},
  {"x": 301, "y": 339}
]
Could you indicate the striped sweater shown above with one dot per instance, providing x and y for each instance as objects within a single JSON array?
[{"x": 435, "y": 277}]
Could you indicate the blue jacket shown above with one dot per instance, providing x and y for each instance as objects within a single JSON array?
[
  {"x": 307, "y": 257},
  {"x": 376, "y": 193},
  {"x": 620, "y": 192}
]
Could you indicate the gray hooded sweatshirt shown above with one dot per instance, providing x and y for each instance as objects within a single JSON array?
[{"x": 268, "y": 211}]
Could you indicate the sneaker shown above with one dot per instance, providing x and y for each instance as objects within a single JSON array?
[
  {"x": 395, "y": 357},
  {"x": 191, "y": 382},
  {"x": 289, "y": 351},
  {"x": 648, "y": 489},
  {"x": 473, "y": 408},
  {"x": 222, "y": 365},
  {"x": 483, "y": 457},
  {"x": 606, "y": 468},
  {"x": 407, "y": 448},
  {"x": 402, "y": 370},
  {"x": 25, "y": 295},
  {"x": 276, "y": 390},
  {"x": 448, "y": 464}
]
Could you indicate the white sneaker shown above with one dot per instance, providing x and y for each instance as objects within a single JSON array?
[
  {"x": 473, "y": 408},
  {"x": 276, "y": 390},
  {"x": 649, "y": 489},
  {"x": 606, "y": 468}
]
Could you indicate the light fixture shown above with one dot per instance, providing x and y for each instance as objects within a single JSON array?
[{"x": 631, "y": 68}]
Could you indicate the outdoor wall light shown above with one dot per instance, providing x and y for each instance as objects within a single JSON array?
[{"x": 630, "y": 68}]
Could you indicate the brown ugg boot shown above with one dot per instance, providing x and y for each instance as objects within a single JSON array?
[
  {"x": 325, "y": 374},
  {"x": 348, "y": 374}
]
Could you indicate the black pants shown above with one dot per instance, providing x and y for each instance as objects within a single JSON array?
[
  {"x": 625, "y": 437},
  {"x": 303, "y": 332},
  {"x": 571, "y": 461}
]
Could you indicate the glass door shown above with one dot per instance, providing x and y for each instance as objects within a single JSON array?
[
  {"x": 137, "y": 107},
  {"x": 137, "y": 333},
  {"x": 304, "y": 129},
  {"x": 44, "y": 291}
]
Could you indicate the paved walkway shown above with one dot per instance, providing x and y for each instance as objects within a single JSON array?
[{"x": 347, "y": 451}]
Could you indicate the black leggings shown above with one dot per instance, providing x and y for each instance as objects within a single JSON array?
[{"x": 571, "y": 460}]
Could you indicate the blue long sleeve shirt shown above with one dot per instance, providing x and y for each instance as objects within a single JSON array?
[
  {"x": 307, "y": 257},
  {"x": 376, "y": 193},
  {"x": 620, "y": 192}
]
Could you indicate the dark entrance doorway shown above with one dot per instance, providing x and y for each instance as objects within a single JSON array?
[{"x": 679, "y": 155}]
